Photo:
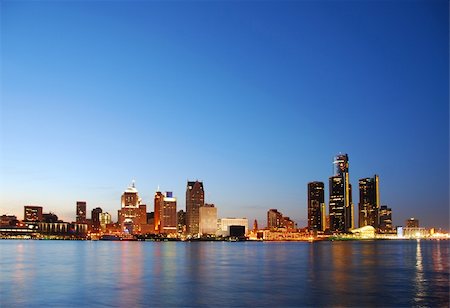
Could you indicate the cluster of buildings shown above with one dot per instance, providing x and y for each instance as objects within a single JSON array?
[
  {"x": 373, "y": 218},
  {"x": 200, "y": 219},
  {"x": 341, "y": 210},
  {"x": 36, "y": 222}
]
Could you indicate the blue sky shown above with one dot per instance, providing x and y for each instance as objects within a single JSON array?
[{"x": 252, "y": 97}]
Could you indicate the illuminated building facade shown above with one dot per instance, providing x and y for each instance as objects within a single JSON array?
[
  {"x": 130, "y": 215},
  {"x": 32, "y": 213},
  {"x": 369, "y": 202},
  {"x": 385, "y": 219},
  {"x": 142, "y": 214},
  {"x": 415, "y": 232},
  {"x": 341, "y": 204},
  {"x": 276, "y": 220},
  {"x": 81, "y": 212},
  {"x": 62, "y": 229},
  {"x": 366, "y": 232},
  {"x": 95, "y": 218},
  {"x": 168, "y": 223},
  {"x": 181, "y": 215},
  {"x": 105, "y": 219},
  {"x": 195, "y": 198},
  {"x": 158, "y": 207},
  {"x": 289, "y": 224},
  {"x": 316, "y": 206},
  {"x": 208, "y": 219}
]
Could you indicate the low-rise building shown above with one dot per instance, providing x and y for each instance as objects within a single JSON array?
[{"x": 225, "y": 223}]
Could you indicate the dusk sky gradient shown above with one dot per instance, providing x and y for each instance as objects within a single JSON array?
[{"x": 252, "y": 97}]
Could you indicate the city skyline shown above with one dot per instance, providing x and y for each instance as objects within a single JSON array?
[
  {"x": 368, "y": 190},
  {"x": 252, "y": 99}
]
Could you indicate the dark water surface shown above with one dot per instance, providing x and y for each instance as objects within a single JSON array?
[{"x": 130, "y": 274}]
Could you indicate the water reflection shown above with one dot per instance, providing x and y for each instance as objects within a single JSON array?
[
  {"x": 129, "y": 278},
  {"x": 437, "y": 258},
  {"x": 419, "y": 279},
  {"x": 161, "y": 275},
  {"x": 130, "y": 274},
  {"x": 341, "y": 261},
  {"x": 20, "y": 273}
]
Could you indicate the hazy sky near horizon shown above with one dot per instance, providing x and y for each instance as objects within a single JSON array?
[{"x": 252, "y": 97}]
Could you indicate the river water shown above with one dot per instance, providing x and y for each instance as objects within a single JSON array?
[{"x": 259, "y": 274}]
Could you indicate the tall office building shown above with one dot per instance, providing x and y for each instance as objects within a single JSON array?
[
  {"x": 95, "y": 216},
  {"x": 142, "y": 215},
  {"x": 385, "y": 219},
  {"x": 208, "y": 219},
  {"x": 105, "y": 219},
  {"x": 369, "y": 202},
  {"x": 81, "y": 212},
  {"x": 32, "y": 213},
  {"x": 130, "y": 215},
  {"x": 151, "y": 221},
  {"x": 341, "y": 204},
  {"x": 181, "y": 217},
  {"x": 158, "y": 207},
  {"x": 316, "y": 206},
  {"x": 195, "y": 198},
  {"x": 168, "y": 224}
]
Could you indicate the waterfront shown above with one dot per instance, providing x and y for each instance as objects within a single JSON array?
[{"x": 128, "y": 274}]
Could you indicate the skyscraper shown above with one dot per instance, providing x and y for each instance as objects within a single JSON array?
[
  {"x": 385, "y": 219},
  {"x": 32, "y": 213},
  {"x": 337, "y": 204},
  {"x": 195, "y": 198},
  {"x": 341, "y": 205},
  {"x": 168, "y": 215},
  {"x": 142, "y": 215},
  {"x": 369, "y": 202},
  {"x": 158, "y": 207},
  {"x": 316, "y": 206},
  {"x": 105, "y": 219},
  {"x": 81, "y": 212},
  {"x": 95, "y": 216},
  {"x": 130, "y": 213},
  {"x": 181, "y": 217},
  {"x": 208, "y": 219}
]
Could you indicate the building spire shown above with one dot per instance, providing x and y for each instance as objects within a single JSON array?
[{"x": 132, "y": 184}]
